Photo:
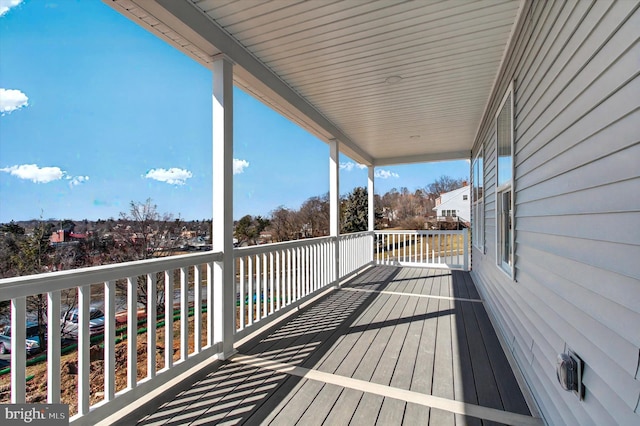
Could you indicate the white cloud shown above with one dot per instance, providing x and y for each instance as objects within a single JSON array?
[
  {"x": 173, "y": 176},
  {"x": 5, "y": 5},
  {"x": 77, "y": 180},
  {"x": 348, "y": 166},
  {"x": 34, "y": 173},
  {"x": 37, "y": 174},
  {"x": 385, "y": 174},
  {"x": 11, "y": 100},
  {"x": 239, "y": 166}
]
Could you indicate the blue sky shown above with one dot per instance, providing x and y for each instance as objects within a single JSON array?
[{"x": 96, "y": 112}]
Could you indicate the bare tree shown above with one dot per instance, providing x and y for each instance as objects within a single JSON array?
[
  {"x": 444, "y": 184},
  {"x": 139, "y": 236},
  {"x": 33, "y": 257},
  {"x": 284, "y": 224},
  {"x": 314, "y": 216}
]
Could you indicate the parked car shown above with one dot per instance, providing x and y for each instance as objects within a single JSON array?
[
  {"x": 69, "y": 323},
  {"x": 32, "y": 344}
]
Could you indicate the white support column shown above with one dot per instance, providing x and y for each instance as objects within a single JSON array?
[
  {"x": 224, "y": 282},
  {"x": 334, "y": 203},
  {"x": 370, "y": 189},
  {"x": 371, "y": 209}
]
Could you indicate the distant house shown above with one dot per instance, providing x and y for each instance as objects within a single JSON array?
[
  {"x": 197, "y": 243},
  {"x": 188, "y": 234},
  {"x": 454, "y": 205},
  {"x": 65, "y": 236},
  {"x": 265, "y": 237}
]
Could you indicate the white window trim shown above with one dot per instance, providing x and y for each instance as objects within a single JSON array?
[
  {"x": 509, "y": 186},
  {"x": 478, "y": 242}
]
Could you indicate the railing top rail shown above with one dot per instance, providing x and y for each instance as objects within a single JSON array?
[
  {"x": 266, "y": 248},
  {"x": 421, "y": 232},
  {"x": 53, "y": 281},
  {"x": 356, "y": 234}
]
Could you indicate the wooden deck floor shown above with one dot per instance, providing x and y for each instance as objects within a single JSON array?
[{"x": 395, "y": 346}]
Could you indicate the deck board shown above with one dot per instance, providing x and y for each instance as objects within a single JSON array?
[
  {"x": 323, "y": 403},
  {"x": 383, "y": 328},
  {"x": 443, "y": 363},
  {"x": 464, "y": 385},
  {"x": 344, "y": 408},
  {"x": 367, "y": 411},
  {"x": 304, "y": 397},
  {"x": 422, "y": 374}
]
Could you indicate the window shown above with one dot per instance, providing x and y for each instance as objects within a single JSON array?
[
  {"x": 477, "y": 234},
  {"x": 504, "y": 183},
  {"x": 465, "y": 197}
]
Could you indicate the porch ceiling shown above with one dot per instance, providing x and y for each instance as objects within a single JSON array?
[{"x": 326, "y": 65}]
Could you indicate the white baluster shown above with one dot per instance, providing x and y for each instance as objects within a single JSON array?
[
  {"x": 250, "y": 290},
  {"x": 84, "y": 388},
  {"x": 168, "y": 319},
  {"x": 132, "y": 332},
  {"x": 109, "y": 340},
  {"x": 197, "y": 308},
  {"x": 151, "y": 324},
  {"x": 53, "y": 347},
  {"x": 258, "y": 290},
  {"x": 243, "y": 303},
  {"x": 18, "y": 357},
  {"x": 184, "y": 313}
]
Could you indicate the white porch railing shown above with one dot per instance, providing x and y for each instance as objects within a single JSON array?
[
  {"x": 273, "y": 277},
  {"x": 270, "y": 280},
  {"x": 434, "y": 249},
  {"x": 191, "y": 269},
  {"x": 355, "y": 252}
]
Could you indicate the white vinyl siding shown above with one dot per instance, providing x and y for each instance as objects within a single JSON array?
[{"x": 576, "y": 211}]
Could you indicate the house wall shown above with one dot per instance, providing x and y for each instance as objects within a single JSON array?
[
  {"x": 575, "y": 69},
  {"x": 454, "y": 200}
]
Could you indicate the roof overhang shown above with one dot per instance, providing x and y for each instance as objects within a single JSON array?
[{"x": 331, "y": 67}]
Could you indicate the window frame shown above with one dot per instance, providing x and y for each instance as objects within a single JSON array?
[
  {"x": 477, "y": 202},
  {"x": 506, "y": 213}
]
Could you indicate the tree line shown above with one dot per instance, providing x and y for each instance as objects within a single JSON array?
[
  {"x": 143, "y": 232},
  {"x": 395, "y": 209}
]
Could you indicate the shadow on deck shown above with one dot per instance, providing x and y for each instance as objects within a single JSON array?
[{"x": 393, "y": 346}]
